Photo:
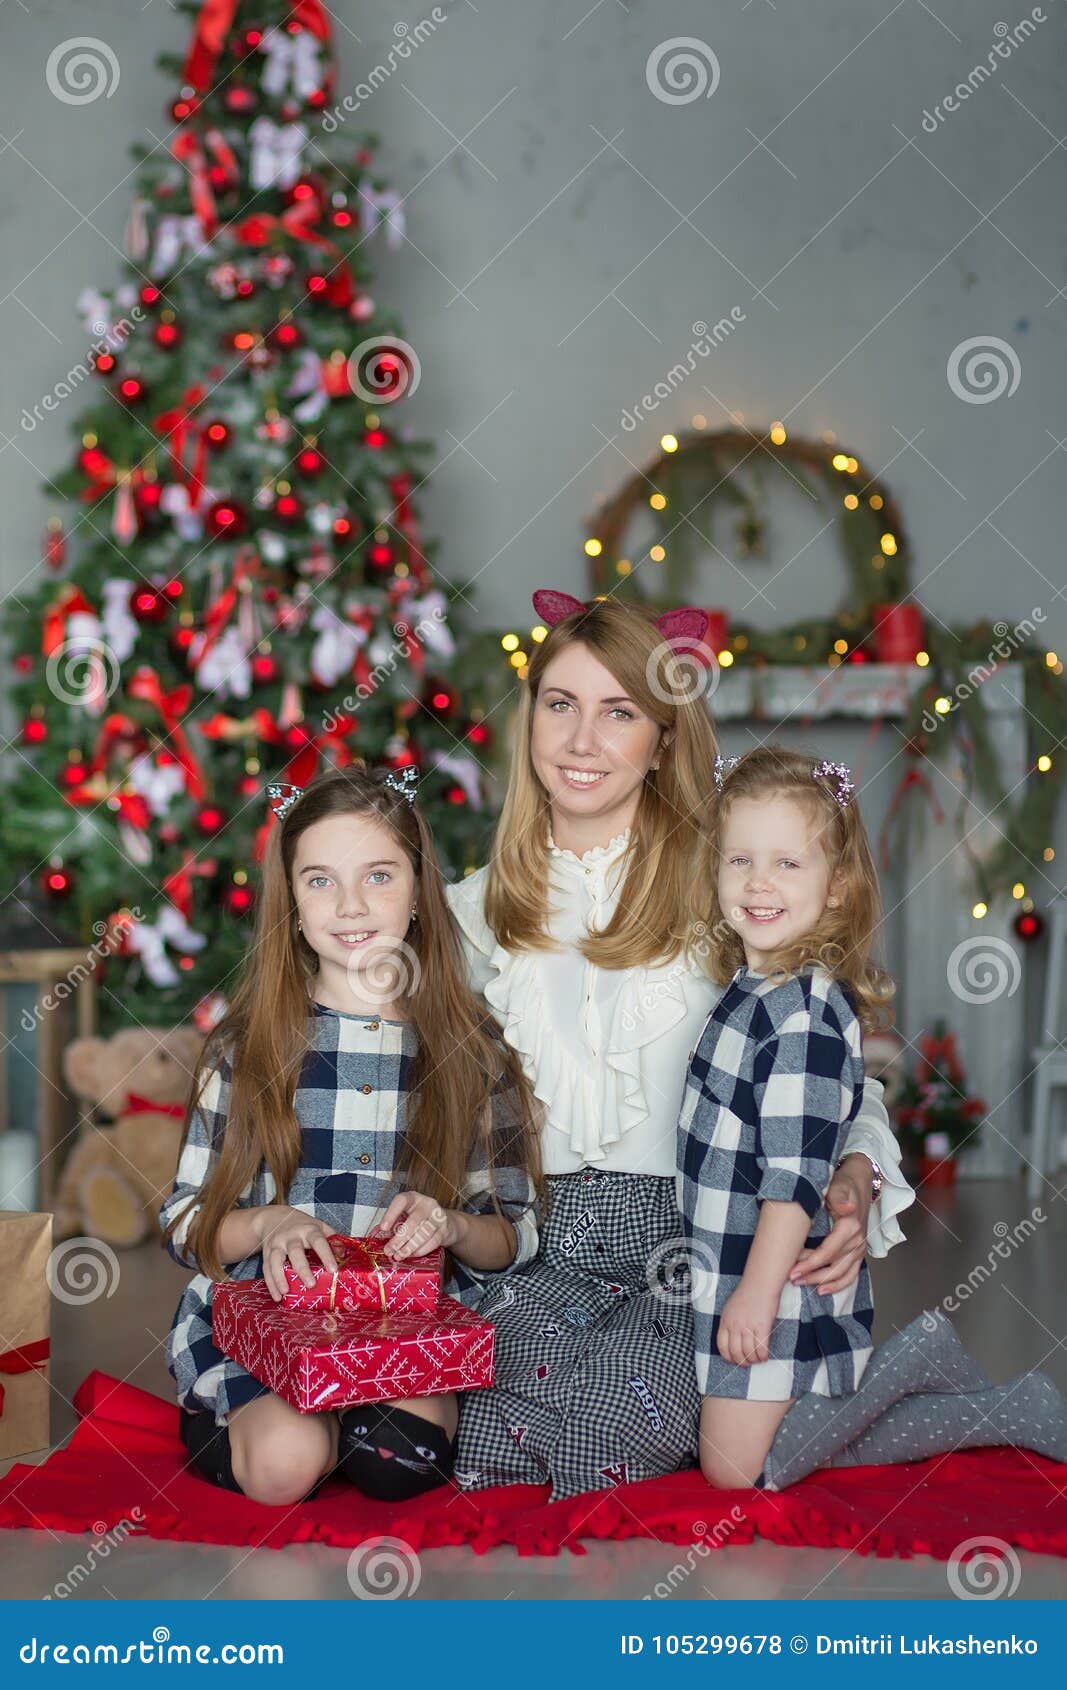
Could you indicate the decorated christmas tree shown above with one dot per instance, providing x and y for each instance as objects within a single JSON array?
[{"x": 238, "y": 591}]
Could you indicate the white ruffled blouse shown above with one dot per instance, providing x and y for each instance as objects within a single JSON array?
[{"x": 607, "y": 1050}]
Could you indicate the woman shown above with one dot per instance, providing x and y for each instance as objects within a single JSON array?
[{"x": 584, "y": 934}]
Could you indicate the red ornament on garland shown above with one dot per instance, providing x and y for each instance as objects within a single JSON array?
[
  {"x": 149, "y": 294},
  {"x": 1029, "y": 926},
  {"x": 264, "y": 668},
  {"x": 183, "y": 108},
  {"x": 288, "y": 508},
  {"x": 310, "y": 461},
  {"x": 103, "y": 364},
  {"x": 217, "y": 436},
  {"x": 375, "y": 438},
  {"x": 23, "y": 663},
  {"x": 131, "y": 390},
  {"x": 455, "y": 795},
  {"x": 238, "y": 899},
  {"x": 166, "y": 335},
  {"x": 240, "y": 98},
  {"x": 285, "y": 336},
  {"x": 75, "y": 774},
  {"x": 35, "y": 731}
]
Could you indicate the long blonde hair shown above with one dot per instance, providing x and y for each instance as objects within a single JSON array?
[
  {"x": 461, "y": 1056},
  {"x": 842, "y": 939},
  {"x": 662, "y": 900}
]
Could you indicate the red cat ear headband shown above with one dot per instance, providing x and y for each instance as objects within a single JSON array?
[{"x": 684, "y": 628}]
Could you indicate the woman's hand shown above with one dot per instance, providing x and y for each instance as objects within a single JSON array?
[
  {"x": 835, "y": 1265},
  {"x": 287, "y": 1235},
  {"x": 745, "y": 1325},
  {"x": 421, "y": 1226}
]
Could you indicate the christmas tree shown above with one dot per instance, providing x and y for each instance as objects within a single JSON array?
[{"x": 239, "y": 592}]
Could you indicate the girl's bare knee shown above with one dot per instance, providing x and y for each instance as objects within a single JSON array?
[
  {"x": 278, "y": 1463},
  {"x": 726, "y": 1473}
]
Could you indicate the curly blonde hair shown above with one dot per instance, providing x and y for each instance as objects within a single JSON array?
[{"x": 843, "y": 937}]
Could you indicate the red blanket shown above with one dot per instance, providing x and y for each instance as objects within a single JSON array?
[{"x": 124, "y": 1463}]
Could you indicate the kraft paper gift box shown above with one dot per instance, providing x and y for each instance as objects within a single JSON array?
[
  {"x": 319, "y": 1360},
  {"x": 367, "y": 1279},
  {"x": 25, "y": 1313}
]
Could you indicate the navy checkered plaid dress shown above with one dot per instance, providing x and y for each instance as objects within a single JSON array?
[
  {"x": 351, "y": 1105},
  {"x": 772, "y": 1085}
]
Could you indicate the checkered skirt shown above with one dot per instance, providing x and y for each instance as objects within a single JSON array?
[{"x": 595, "y": 1383}]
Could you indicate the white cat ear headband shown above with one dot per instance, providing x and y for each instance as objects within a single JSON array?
[
  {"x": 283, "y": 795},
  {"x": 840, "y": 772}
]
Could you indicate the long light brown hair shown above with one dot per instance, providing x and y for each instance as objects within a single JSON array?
[
  {"x": 843, "y": 938},
  {"x": 663, "y": 898},
  {"x": 461, "y": 1053}
]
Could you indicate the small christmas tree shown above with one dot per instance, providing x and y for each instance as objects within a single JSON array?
[{"x": 247, "y": 597}]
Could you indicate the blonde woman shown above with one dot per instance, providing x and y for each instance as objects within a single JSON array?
[{"x": 587, "y": 933}]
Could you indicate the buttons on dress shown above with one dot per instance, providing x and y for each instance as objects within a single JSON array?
[
  {"x": 364, "y": 1158},
  {"x": 373, "y": 1026},
  {"x": 366, "y": 1090}
]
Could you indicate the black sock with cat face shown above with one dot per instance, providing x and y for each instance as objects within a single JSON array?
[{"x": 392, "y": 1454}]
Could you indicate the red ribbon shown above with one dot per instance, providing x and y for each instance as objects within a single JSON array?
[
  {"x": 176, "y": 427},
  {"x": 911, "y": 777},
  {"x": 27, "y": 1358},
  {"x": 297, "y": 221},
  {"x": 138, "y": 1105},
  {"x": 213, "y": 27},
  {"x": 71, "y": 601},
  {"x": 172, "y": 706},
  {"x": 246, "y": 565},
  {"x": 178, "y": 887}
]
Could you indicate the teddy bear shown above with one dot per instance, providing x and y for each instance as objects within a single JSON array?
[{"x": 117, "y": 1176}]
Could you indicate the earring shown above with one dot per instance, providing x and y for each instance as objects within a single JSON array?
[
  {"x": 300, "y": 927},
  {"x": 414, "y": 913}
]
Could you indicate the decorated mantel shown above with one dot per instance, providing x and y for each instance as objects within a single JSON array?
[{"x": 963, "y": 723}]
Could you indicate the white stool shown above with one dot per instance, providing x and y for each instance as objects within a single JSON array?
[{"x": 1049, "y": 1058}]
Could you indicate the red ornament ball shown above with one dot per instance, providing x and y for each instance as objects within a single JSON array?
[
  {"x": 23, "y": 663},
  {"x": 35, "y": 731},
  {"x": 149, "y": 294},
  {"x": 455, "y": 795},
  {"x": 103, "y": 363},
  {"x": 238, "y": 899},
  {"x": 226, "y": 517},
  {"x": 183, "y": 639},
  {"x": 149, "y": 604},
  {"x": 1029, "y": 926},
  {"x": 131, "y": 390},
  {"x": 74, "y": 774},
  {"x": 58, "y": 882},
  {"x": 92, "y": 461},
  {"x": 240, "y": 98},
  {"x": 264, "y": 668},
  {"x": 248, "y": 786},
  {"x": 166, "y": 335},
  {"x": 375, "y": 438},
  {"x": 310, "y": 461},
  {"x": 285, "y": 336},
  {"x": 181, "y": 109},
  {"x": 209, "y": 818},
  {"x": 148, "y": 495},
  {"x": 287, "y": 507},
  {"x": 217, "y": 436}
]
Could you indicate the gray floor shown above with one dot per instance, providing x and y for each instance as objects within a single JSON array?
[{"x": 1012, "y": 1318}]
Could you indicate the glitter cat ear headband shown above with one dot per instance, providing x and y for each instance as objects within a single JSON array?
[
  {"x": 836, "y": 771},
  {"x": 685, "y": 627},
  {"x": 283, "y": 795}
]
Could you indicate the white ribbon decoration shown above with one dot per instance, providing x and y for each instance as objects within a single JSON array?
[
  {"x": 157, "y": 785},
  {"x": 277, "y": 152},
  {"x": 225, "y": 669},
  {"x": 463, "y": 770},
  {"x": 148, "y": 939},
  {"x": 334, "y": 651},
  {"x": 292, "y": 62},
  {"x": 174, "y": 235},
  {"x": 120, "y": 628},
  {"x": 386, "y": 203}
]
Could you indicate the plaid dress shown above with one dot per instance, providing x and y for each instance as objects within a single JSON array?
[
  {"x": 351, "y": 1105},
  {"x": 773, "y": 1083}
]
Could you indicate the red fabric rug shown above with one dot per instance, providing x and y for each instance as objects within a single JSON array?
[{"x": 124, "y": 1463}]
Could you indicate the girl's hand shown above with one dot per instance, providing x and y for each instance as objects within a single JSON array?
[
  {"x": 836, "y": 1264},
  {"x": 421, "y": 1226},
  {"x": 287, "y": 1235},
  {"x": 745, "y": 1325}
]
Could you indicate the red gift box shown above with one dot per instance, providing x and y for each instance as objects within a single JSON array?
[
  {"x": 367, "y": 1279},
  {"x": 319, "y": 1360}
]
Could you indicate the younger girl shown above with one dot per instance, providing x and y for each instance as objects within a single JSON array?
[
  {"x": 355, "y": 1081},
  {"x": 775, "y": 1079}
]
